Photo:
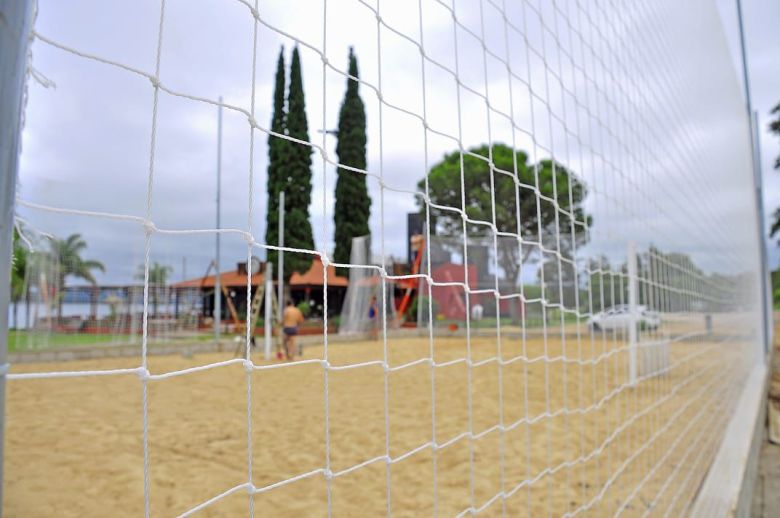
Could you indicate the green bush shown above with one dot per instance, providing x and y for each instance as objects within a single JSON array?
[
  {"x": 304, "y": 308},
  {"x": 412, "y": 310}
]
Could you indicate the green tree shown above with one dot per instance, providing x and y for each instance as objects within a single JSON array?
[
  {"x": 296, "y": 175},
  {"x": 276, "y": 155},
  {"x": 18, "y": 270},
  {"x": 774, "y": 127},
  {"x": 353, "y": 205},
  {"x": 66, "y": 254},
  {"x": 517, "y": 209},
  {"x": 158, "y": 280}
]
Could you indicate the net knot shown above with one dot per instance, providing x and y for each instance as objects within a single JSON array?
[
  {"x": 252, "y": 122},
  {"x": 328, "y": 474},
  {"x": 155, "y": 81},
  {"x": 325, "y": 261},
  {"x": 143, "y": 373},
  {"x": 149, "y": 227},
  {"x": 248, "y": 365}
]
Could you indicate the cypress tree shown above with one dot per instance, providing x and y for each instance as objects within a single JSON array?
[
  {"x": 297, "y": 176},
  {"x": 353, "y": 205},
  {"x": 276, "y": 154}
]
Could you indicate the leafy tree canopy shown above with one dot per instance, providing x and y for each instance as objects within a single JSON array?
[
  {"x": 498, "y": 178},
  {"x": 296, "y": 175},
  {"x": 65, "y": 255},
  {"x": 353, "y": 205},
  {"x": 774, "y": 127},
  {"x": 276, "y": 154}
]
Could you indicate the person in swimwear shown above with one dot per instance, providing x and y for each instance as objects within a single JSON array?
[{"x": 291, "y": 319}]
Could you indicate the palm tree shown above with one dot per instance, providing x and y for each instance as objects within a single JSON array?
[
  {"x": 18, "y": 269},
  {"x": 67, "y": 256},
  {"x": 158, "y": 278}
]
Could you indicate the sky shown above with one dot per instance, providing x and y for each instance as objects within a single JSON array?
[
  {"x": 88, "y": 125},
  {"x": 760, "y": 18}
]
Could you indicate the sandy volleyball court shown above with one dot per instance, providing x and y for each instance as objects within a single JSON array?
[{"x": 573, "y": 433}]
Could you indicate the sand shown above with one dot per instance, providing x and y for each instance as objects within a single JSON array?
[{"x": 74, "y": 445}]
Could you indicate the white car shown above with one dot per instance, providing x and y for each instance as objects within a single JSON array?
[{"x": 619, "y": 317}]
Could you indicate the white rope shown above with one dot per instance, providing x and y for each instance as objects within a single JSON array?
[
  {"x": 249, "y": 325},
  {"x": 326, "y": 262},
  {"x": 609, "y": 128},
  {"x": 147, "y": 253}
]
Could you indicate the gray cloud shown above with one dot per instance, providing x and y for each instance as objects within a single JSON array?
[{"x": 87, "y": 141}]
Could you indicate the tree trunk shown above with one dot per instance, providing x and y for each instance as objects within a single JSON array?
[
  {"x": 60, "y": 294},
  {"x": 27, "y": 307}
]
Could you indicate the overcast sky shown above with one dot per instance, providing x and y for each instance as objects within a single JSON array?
[
  {"x": 663, "y": 156},
  {"x": 763, "y": 46}
]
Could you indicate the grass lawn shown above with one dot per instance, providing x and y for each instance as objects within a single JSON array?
[{"x": 23, "y": 340}]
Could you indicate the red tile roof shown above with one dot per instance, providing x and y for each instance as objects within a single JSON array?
[
  {"x": 233, "y": 279},
  {"x": 230, "y": 279},
  {"x": 315, "y": 274}
]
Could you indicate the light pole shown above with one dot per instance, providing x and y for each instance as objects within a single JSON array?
[
  {"x": 14, "y": 37},
  {"x": 758, "y": 184},
  {"x": 218, "y": 282}
]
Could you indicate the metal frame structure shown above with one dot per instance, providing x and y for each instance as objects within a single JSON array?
[{"x": 15, "y": 21}]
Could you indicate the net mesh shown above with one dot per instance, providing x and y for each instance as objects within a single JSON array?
[{"x": 584, "y": 313}]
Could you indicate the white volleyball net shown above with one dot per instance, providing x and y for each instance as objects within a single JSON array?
[{"x": 567, "y": 334}]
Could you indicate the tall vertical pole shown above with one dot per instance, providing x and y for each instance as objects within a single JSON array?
[
  {"x": 218, "y": 283},
  {"x": 632, "y": 310},
  {"x": 766, "y": 292},
  {"x": 15, "y": 21},
  {"x": 757, "y": 182},
  {"x": 269, "y": 312},
  {"x": 767, "y": 278},
  {"x": 280, "y": 277}
]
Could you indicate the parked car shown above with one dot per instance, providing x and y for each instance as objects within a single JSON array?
[{"x": 619, "y": 317}]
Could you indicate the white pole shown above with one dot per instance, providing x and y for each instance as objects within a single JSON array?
[
  {"x": 14, "y": 37},
  {"x": 218, "y": 283},
  {"x": 766, "y": 316},
  {"x": 633, "y": 321},
  {"x": 766, "y": 280},
  {"x": 269, "y": 313},
  {"x": 280, "y": 275}
]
